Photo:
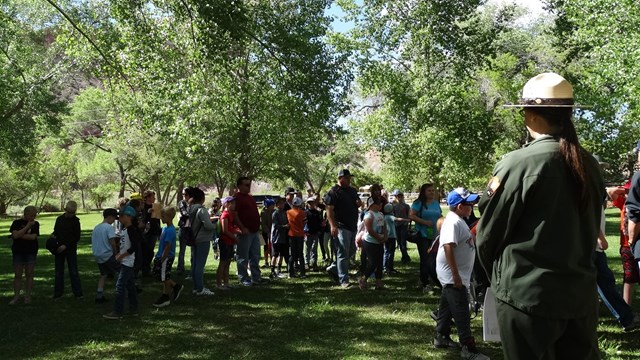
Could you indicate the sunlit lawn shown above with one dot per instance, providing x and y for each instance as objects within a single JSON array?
[{"x": 288, "y": 319}]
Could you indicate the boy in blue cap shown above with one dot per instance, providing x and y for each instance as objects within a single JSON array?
[{"x": 454, "y": 264}]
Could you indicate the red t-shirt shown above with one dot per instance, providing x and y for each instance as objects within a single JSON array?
[
  {"x": 232, "y": 227},
  {"x": 247, "y": 211}
]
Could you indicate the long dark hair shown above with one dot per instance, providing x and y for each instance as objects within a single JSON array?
[
  {"x": 421, "y": 196},
  {"x": 571, "y": 151}
]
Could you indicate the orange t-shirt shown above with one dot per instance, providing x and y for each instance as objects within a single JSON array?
[{"x": 296, "y": 217}]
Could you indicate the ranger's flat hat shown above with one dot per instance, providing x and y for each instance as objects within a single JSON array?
[{"x": 547, "y": 90}]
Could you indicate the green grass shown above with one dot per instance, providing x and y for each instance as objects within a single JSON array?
[{"x": 289, "y": 319}]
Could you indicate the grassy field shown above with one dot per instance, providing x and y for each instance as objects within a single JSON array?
[{"x": 288, "y": 319}]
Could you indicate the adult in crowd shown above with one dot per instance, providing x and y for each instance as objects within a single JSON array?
[
  {"x": 67, "y": 233},
  {"x": 401, "y": 210},
  {"x": 185, "y": 235},
  {"x": 24, "y": 249},
  {"x": 289, "y": 195},
  {"x": 312, "y": 229},
  {"x": 248, "y": 220},
  {"x": 202, "y": 229},
  {"x": 536, "y": 237},
  {"x": 425, "y": 212},
  {"x": 152, "y": 230},
  {"x": 342, "y": 202},
  {"x": 633, "y": 210}
]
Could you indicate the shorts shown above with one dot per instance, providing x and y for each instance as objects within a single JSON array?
[
  {"x": 109, "y": 267},
  {"x": 629, "y": 266},
  {"x": 20, "y": 258},
  {"x": 280, "y": 250},
  {"x": 225, "y": 251},
  {"x": 162, "y": 269}
]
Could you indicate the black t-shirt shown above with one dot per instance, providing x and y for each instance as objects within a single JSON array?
[
  {"x": 345, "y": 206},
  {"x": 25, "y": 246},
  {"x": 314, "y": 221},
  {"x": 154, "y": 224}
]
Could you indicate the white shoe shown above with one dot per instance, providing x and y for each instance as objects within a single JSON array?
[{"x": 204, "y": 292}]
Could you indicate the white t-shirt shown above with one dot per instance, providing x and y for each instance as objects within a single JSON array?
[
  {"x": 100, "y": 245},
  {"x": 455, "y": 231},
  {"x": 377, "y": 225},
  {"x": 125, "y": 244}
]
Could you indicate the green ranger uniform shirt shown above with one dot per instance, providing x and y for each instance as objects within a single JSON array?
[{"x": 534, "y": 239}]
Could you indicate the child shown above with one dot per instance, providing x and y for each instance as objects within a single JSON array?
[
  {"x": 279, "y": 239},
  {"x": 24, "y": 233},
  {"x": 390, "y": 244},
  {"x": 455, "y": 259},
  {"x": 296, "y": 218},
  {"x": 265, "y": 225},
  {"x": 312, "y": 231},
  {"x": 164, "y": 259},
  {"x": 228, "y": 238},
  {"x": 103, "y": 245},
  {"x": 375, "y": 237},
  {"x": 129, "y": 244}
]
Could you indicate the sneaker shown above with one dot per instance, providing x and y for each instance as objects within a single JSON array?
[
  {"x": 303, "y": 276},
  {"x": 346, "y": 285},
  {"x": 282, "y": 276},
  {"x": 444, "y": 341},
  {"x": 246, "y": 283},
  {"x": 177, "y": 290},
  {"x": 162, "y": 301},
  {"x": 427, "y": 289},
  {"x": 434, "y": 315},
  {"x": 112, "y": 316},
  {"x": 223, "y": 287},
  {"x": 333, "y": 275},
  {"x": 260, "y": 281},
  {"x": 635, "y": 324},
  {"x": 472, "y": 355},
  {"x": 14, "y": 300},
  {"x": 393, "y": 272},
  {"x": 101, "y": 300},
  {"x": 204, "y": 292}
]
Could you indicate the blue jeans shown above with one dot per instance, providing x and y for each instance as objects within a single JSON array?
[
  {"x": 454, "y": 304},
  {"x": 311, "y": 252},
  {"x": 71, "y": 257},
  {"x": 344, "y": 251},
  {"x": 296, "y": 257},
  {"x": 248, "y": 257},
  {"x": 389, "y": 253},
  {"x": 608, "y": 292},
  {"x": 199, "y": 255},
  {"x": 402, "y": 233},
  {"x": 126, "y": 281}
]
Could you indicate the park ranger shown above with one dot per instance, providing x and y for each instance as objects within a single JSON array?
[{"x": 540, "y": 214}]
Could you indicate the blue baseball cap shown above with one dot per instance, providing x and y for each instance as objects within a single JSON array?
[
  {"x": 461, "y": 195},
  {"x": 129, "y": 211},
  {"x": 269, "y": 202}
]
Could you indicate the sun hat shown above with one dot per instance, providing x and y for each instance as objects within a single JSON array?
[
  {"x": 227, "y": 200},
  {"x": 461, "y": 195},
  {"x": 397, "y": 192},
  {"x": 547, "y": 90},
  {"x": 297, "y": 201},
  {"x": 311, "y": 199},
  {"x": 128, "y": 211},
  {"x": 289, "y": 190},
  {"x": 135, "y": 196}
]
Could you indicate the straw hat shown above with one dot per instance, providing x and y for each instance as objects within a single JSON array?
[{"x": 547, "y": 90}]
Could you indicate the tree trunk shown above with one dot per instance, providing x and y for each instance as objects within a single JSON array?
[{"x": 123, "y": 179}]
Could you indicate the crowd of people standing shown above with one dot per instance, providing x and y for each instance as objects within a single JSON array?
[{"x": 540, "y": 240}]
